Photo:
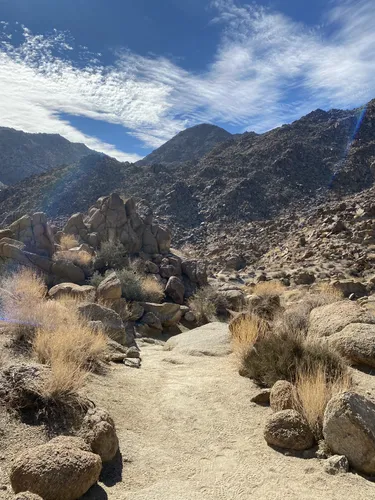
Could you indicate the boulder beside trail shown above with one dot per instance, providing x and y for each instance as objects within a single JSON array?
[
  {"x": 332, "y": 318},
  {"x": 62, "y": 469},
  {"x": 356, "y": 342},
  {"x": 282, "y": 396},
  {"x": 212, "y": 339},
  {"x": 112, "y": 322},
  {"x": 349, "y": 429},
  {"x": 98, "y": 430},
  {"x": 288, "y": 429}
]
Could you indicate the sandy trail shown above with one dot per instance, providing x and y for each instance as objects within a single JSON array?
[{"x": 188, "y": 431}]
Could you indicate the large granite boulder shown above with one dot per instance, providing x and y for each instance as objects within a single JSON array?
[
  {"x": 62, "y": 469},
  {"x": 349, "y": 429},
  {"x": 112, "y": 322}
]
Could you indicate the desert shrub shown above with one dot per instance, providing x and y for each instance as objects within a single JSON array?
[
  {"x": 97, "y": 277},
  {"x": 246, "y": 329},
  {"x": 152, "y": 290},
  {"x": 315, "y": 387},
  {"x": 68, "y": 241},
  {"x": 131, "y": 284},
  {"x": 208, "y": 304},
  {"x": 279, "y": 356},
  {"x": 80, "y": 258},
  {"x": 21, "y": 296},
  {"x": 265, "y": 306},
  {"x": 272, "y": 287},
  {"x": 112, "y": 254}
]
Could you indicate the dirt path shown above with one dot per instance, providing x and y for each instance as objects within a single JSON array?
[{"x": 188, "y": 431}]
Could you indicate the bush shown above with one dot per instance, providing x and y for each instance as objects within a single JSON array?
[
  {"x": 208, "y": 304},
  {"x": 97, "y": 278},
  {"x": 21, "y": 296},
  {"x": 80, "y": 258},
  {"x": 280, "y": 356},
  {"x": 152, "y": 290},
  {"x": 246, "y": 329},
  {"x": 315, "y": 387},
  {"x": 68, "y": 241},
  {"x": 112, "y": 255},
  {"x": 268, "y": 288}
]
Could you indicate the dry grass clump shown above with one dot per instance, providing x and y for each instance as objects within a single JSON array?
[
  {"x": 272, "y": 287},
  {"x": 246, "y": 330},
  {"x": 280, "y": 355},
  {"x": 153, "y": 291},
  {"x": 315, "y": 387},
  {"x": 80, "y": 258},
  {"x": 21, "y": 295},
  {"x": 208, "y": 305},
  {"x": 68, "y": 241}
]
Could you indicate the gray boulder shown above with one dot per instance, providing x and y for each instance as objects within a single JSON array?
[
  {"x": 110, "y": 288},
  {"x": 175, "y": 290},
  {"x": 113, "y": 325},
  {"x": 349, "y": 429},
  {"x": 356, "y": 342}
]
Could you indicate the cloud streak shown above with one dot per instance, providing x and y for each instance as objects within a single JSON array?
[{"x": 267, "y": 70}]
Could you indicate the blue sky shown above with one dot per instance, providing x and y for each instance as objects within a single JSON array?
[{"x": 124, "y": 76}]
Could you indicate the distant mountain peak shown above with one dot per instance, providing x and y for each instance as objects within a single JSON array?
[{"x": 189, "y": 144}]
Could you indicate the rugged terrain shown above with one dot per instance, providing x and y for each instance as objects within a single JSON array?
[
  {"x": 23, "y": 155},
  {"x": 231, "y": 197}
]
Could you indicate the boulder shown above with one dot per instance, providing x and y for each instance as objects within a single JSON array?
[
  {"x": 168, "y": 313},
  {"x": 337, "y": 464},
  {"x": 68, "y": 271},
  {"x": 288, "y": 429},
  {"x": 349, "y": 287},
  {"x": 110, "y": 288},
  {"x": 304, "y": 278},
  {"x": 283, "y": 396},
  {"x": 113, "y": 325},
  {"x": 349, "y": 429},
  {"x": 175, "y": 290},
  {"x": 262, "y": 397},
  {"x": 332, "y": 318},
  {"x": 98, "y": 430},
  {"x": 212, "y": 339},
  {"x": 152, "y": 320},
  {"x": 196, "y": 271},
  {"x": 62, "y": 469},
  {"x": 356, "y": 342},
  {"x": 235, "y": 299},
  {"x": 84, "y": 292}
]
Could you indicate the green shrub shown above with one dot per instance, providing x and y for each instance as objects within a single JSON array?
[
  {"x": 208, "y": 304},
  {"x": 112, "y": 255},
  {"x": 131, "y": 284},
  {"x": 280, "y": 356}
]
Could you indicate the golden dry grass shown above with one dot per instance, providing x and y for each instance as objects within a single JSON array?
[
  {"x": 314, "y": 389},
  {"x": 21, "y": 296},
  {"x": 246, "y": 329},
  {"x": 329, "y": 292},
  {"x": 152, "y": 289},
  {"x": 268, "y": 288},
  {"x": 68, "y": 241},
  {"x": 78, "y": 257}
]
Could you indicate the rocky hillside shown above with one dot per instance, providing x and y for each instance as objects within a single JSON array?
[
  {"x": 23, "y": 155},
  {"x": 189, "y": 145},
  {"x": 231, "y": 191}
]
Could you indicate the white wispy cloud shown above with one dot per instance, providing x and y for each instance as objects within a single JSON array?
[{"x": 267, "y": 70}]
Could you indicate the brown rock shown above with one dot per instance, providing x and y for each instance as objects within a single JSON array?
[
  {"x": 282, "y": 396},
  {"x": 288, "y": 429},
  {"x": 98, "y": 430},
  {"x": 62, "y": 469}
]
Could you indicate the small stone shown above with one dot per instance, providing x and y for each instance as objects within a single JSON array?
[
  {"x": 337, "y": 464},
  {"x": 133, "y": 352},
  {"x": 262, "y": 397}
]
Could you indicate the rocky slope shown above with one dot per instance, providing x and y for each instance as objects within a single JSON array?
[
  {"x": 228, "y": 199},
  {"x": 23, "y": 155},
  {"x": 189, "y": 145}
]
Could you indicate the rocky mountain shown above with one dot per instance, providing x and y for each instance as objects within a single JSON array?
[
  {"x": 23, "y": 155},
  {"x": 226, "y": 198},
  {"x": 189, "y": 145}
]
